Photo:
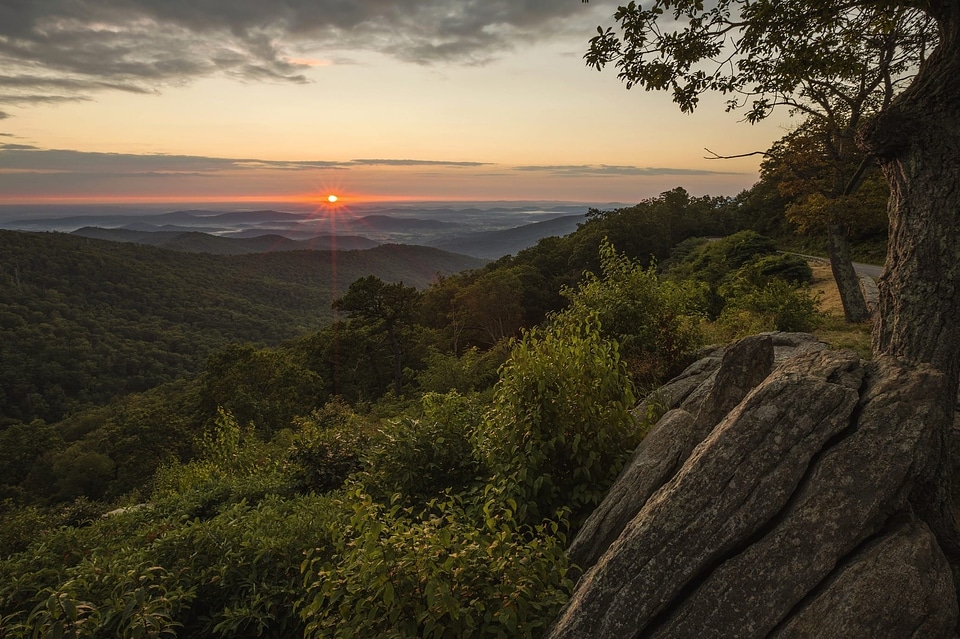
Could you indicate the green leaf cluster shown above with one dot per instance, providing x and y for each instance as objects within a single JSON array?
[
  {"x": 657, "y": 322},
  {"x": 215, "y": 553},
  {"x": 442, "y": 572},
  {"x": 750, "y": 287},
  {"x": 560, "y": 427}
]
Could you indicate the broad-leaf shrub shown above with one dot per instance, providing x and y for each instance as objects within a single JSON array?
[
  {"x": 420, "y": 457},
  {"x": 469, "y": 372},
  {"x": 657, "y": 323},
  {"x": 560, "y": 427},
  {"x": 327, "y": 447},
  {"x": 711, "y": 262},
  {"x": 441, "y": 573},
  {"x": 266, "y": 387},
  {"x": 233, "y": 464},
  {"x": 157, "y": 572},
  {"x": 784, "y": 266},
  {"x": 161, "y": 570},
  {"x": 752, "y": 288},
  {"x": 776, "y": 306}
]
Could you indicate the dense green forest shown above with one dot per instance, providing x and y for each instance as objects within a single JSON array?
[
  {"x": 83, "y": 320},
  {"x": 224, "y": 457}
]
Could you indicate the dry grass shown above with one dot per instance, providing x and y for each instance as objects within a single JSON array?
[{"x": 833, "y": 329}]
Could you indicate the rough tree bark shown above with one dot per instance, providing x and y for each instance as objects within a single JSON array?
[{"x": 917, "y": 141}]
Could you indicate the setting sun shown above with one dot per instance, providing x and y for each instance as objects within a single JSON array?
[{"x": 332, "y": 198}]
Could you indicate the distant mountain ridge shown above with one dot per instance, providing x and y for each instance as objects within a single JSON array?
[
  {"x": 495, "y": 244},
  {"x": 197, "y": 242},
  {"x": 487, "y": 233}
]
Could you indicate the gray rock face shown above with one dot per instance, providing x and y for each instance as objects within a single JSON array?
[
  {"x": 717, "y": 383},
  {"x": 782, "y": 506},
  {"x": 882, "y": 592},
  {"x": 697, "y": 400}
]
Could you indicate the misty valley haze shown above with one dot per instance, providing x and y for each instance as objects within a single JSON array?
[{"x": 485, "y": 230}]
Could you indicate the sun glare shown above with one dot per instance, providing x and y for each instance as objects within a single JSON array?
[{"x": 332, "y": 199}]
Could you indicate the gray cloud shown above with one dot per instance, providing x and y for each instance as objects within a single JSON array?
[
  {"x": 589, "y": 170},
  {"x": 63, "y": 84},
  {"x": 381, "y": 162},
  {"x": 4, "y": 115},
  {"x": 24, "y": 157},
  {"x": 59, "y": 49}
]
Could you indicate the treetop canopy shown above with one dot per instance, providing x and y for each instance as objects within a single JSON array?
[{"x": 813, "y": 57}]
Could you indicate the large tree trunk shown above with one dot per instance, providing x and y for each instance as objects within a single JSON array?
[
  {"x": 848, "y": 282},
  {"x": 917, "y": 142}
]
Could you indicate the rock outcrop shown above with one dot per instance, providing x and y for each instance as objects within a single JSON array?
[{"x": 775, "y": 497}]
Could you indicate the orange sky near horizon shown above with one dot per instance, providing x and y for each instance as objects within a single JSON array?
[{"x": 508, "y": 112}]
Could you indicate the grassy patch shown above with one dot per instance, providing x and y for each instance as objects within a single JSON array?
[{"x": 833, "y": 329}]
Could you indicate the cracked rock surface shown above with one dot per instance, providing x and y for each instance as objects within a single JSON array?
[{"x": 773, "y": 498}]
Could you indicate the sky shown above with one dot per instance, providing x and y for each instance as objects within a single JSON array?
[{"x": 373, "y": 100}]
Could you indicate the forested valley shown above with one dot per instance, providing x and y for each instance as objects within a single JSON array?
[{"x": 206, "y": 446}]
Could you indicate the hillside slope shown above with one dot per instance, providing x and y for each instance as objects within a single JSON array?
[
  {"x": 194, "y": 241},
  {"x": 495, "y": 244},
  {"x": 84, "y": 320}
]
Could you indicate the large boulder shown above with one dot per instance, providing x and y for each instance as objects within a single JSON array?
[
  {"x": 695, "y": 402},
  {"x": 779, "y": 500}
]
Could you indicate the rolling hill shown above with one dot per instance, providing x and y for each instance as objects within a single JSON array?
[
  {"x": 199, "y": 242},
  {"x": 83, "y": 320},
  {"x": 495, "y": 244}
]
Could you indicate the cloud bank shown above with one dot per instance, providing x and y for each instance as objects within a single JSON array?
[
  {"x": 604, "y": 170},
  {"x": 61, "y": 50},
  {"x": 28, "y": 158},
  {"x": 28, "y": 172}
]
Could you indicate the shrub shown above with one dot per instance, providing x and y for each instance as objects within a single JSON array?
[
  {"x": 789, "y": 268},
  {"x": 657, "y": 323},
  {"x": 560, "y": 427},
  {"x": 233, "y": 465},
  {"x": 327, "y": 447},
  {"x": 711, "y": 262},
  {"x": 422, "y": 457},
  {"x": 442, "y": 573},
  {"x": 776, "y": 306},
  {"x": 472, "y": 371},
  {"x": 160, "y": 572}
]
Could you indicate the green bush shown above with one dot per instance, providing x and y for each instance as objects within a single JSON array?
[
  {"x": 472, "y": 371},
  {"x": 419, "y": 458},
  {"x": 265, "y": 387},
  {"x": 777, "y": 306},
  {"x": 216, "y": 554},
  {"x": 711, "y": 262},
  {"x": 232, "y": 465},
  {"x": 242, "y": 566},
  {"x": 657, "y": 323},
  {"x": 327, "y": 447},
  {"x": 789, "y": 268},
  {"x": 560, "y": 427},
  {"x": 444, "y": 573}
]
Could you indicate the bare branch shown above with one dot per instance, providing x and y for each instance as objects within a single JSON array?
[{"x": 716, "y": 156}]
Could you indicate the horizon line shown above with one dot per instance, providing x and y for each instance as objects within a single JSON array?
[{"x": 301, "y": 201}]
